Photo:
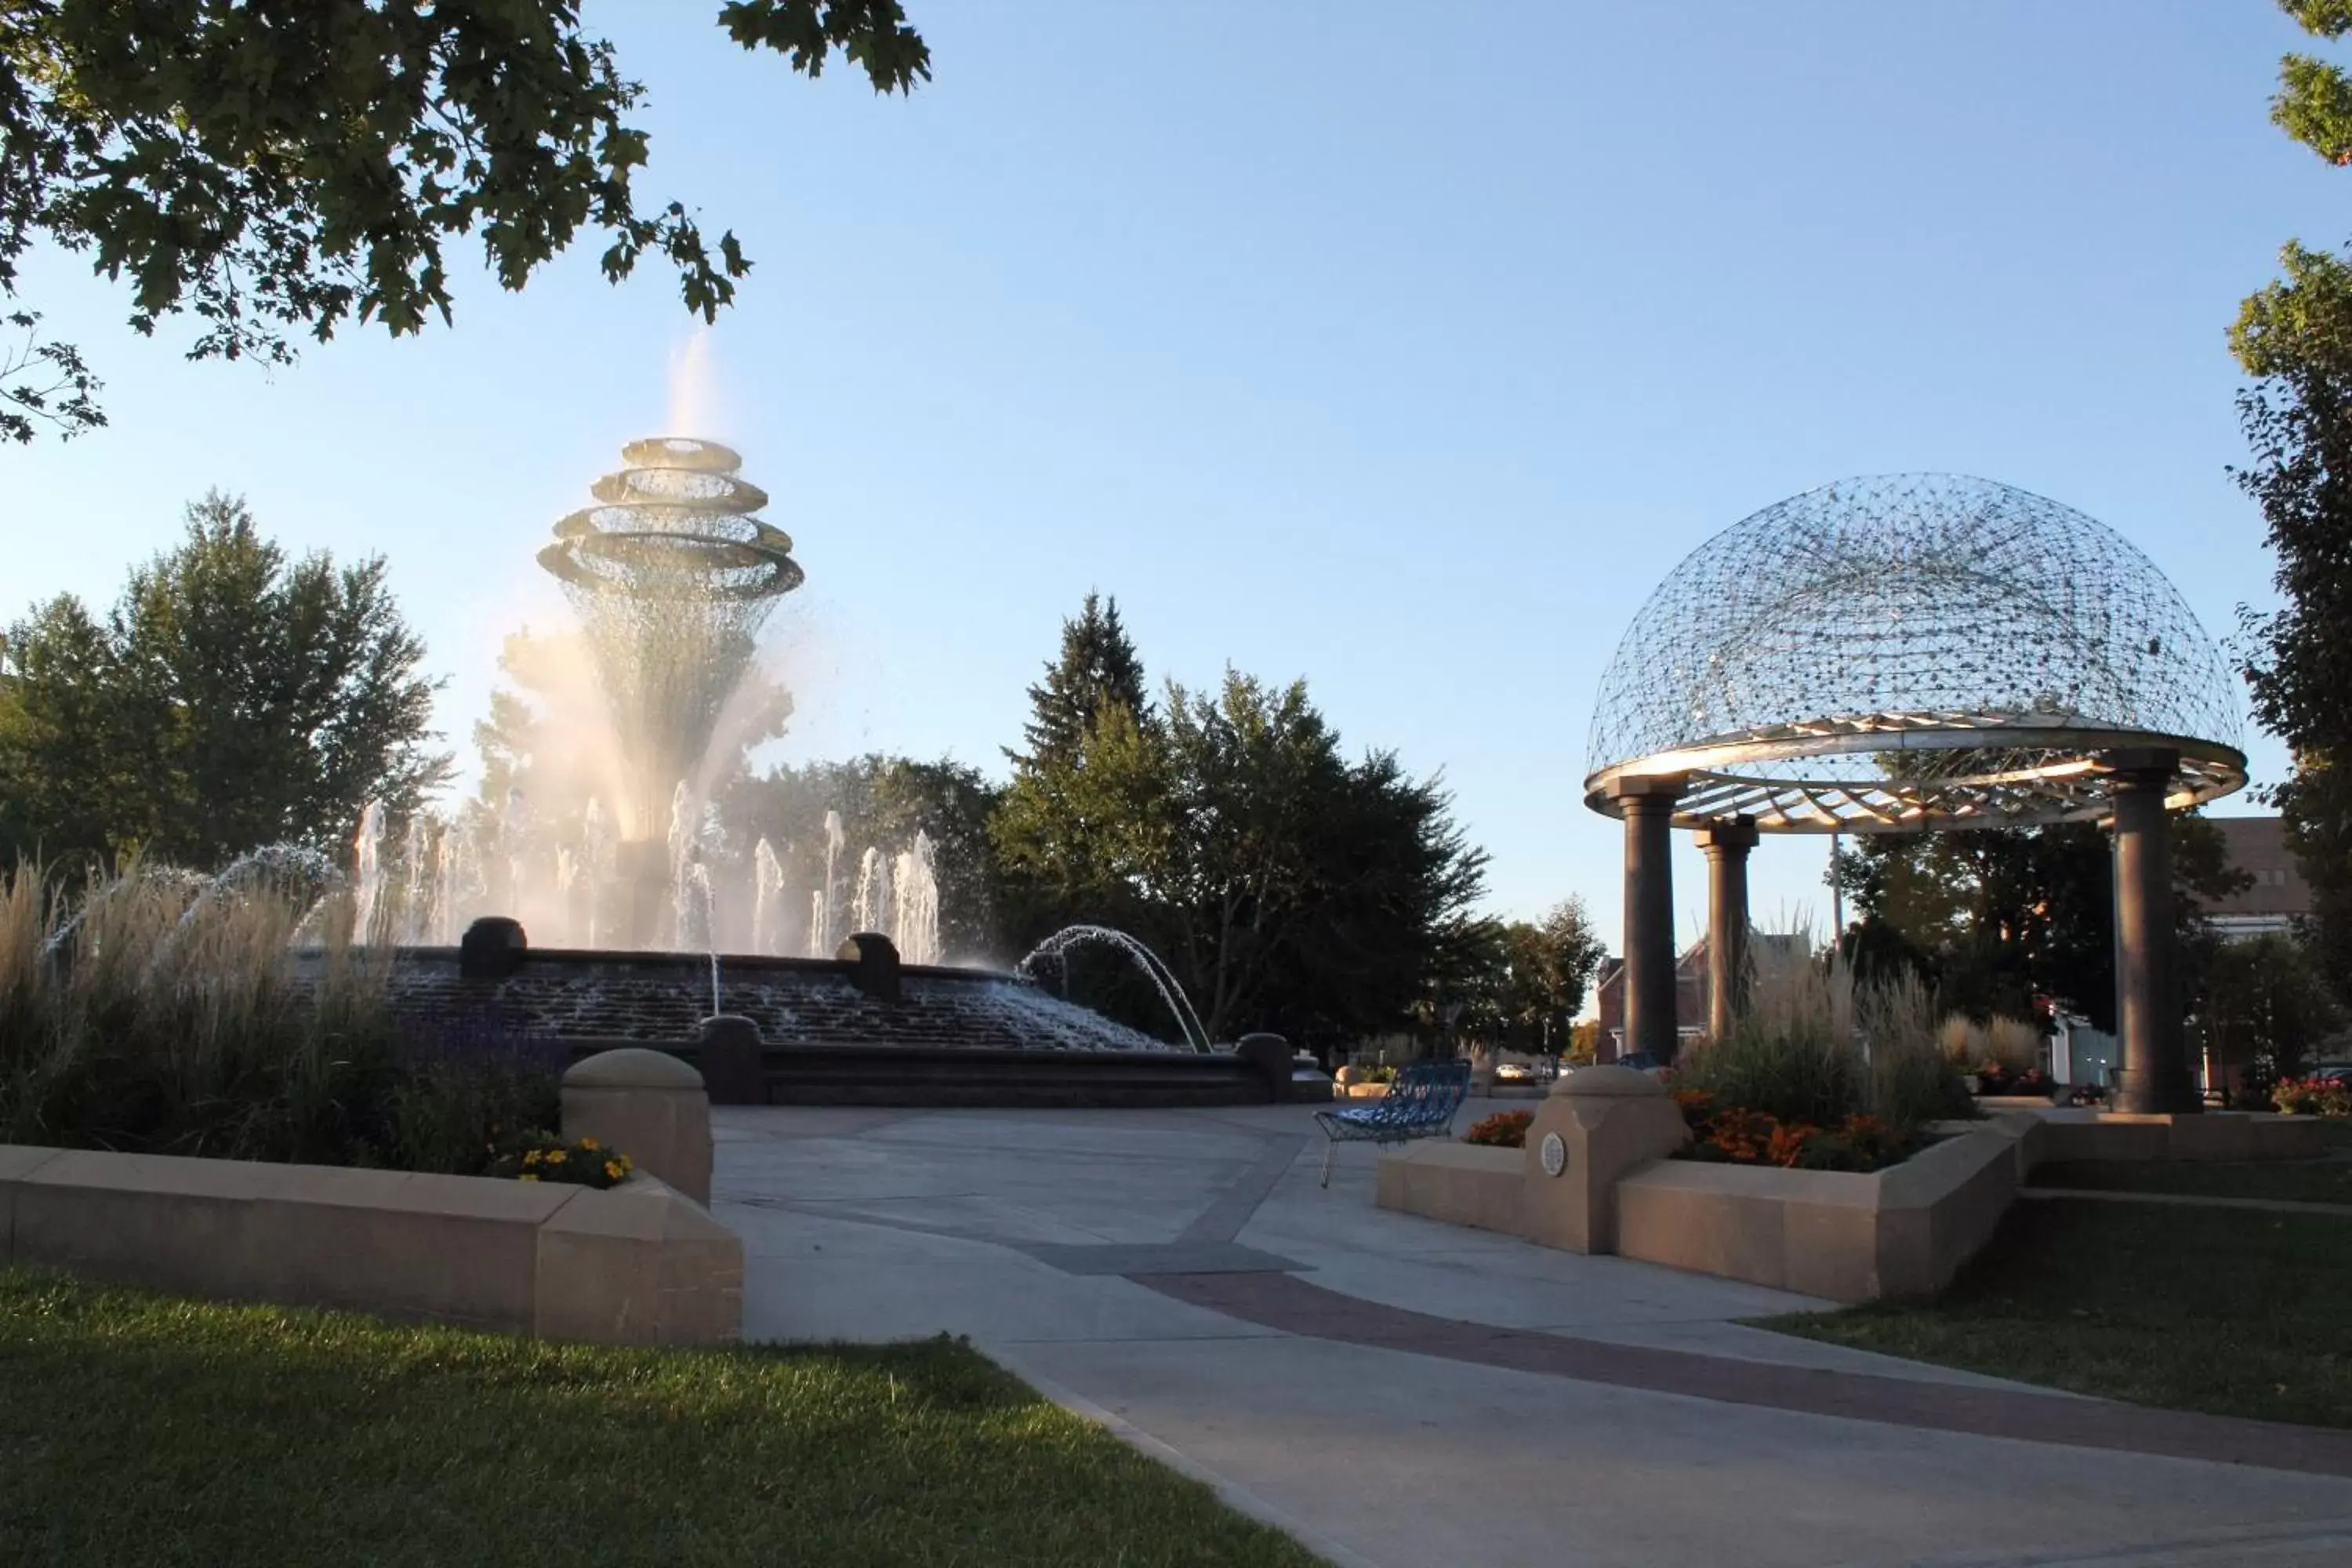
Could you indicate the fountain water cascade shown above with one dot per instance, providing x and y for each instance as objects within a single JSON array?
[
  {"x": 1056, "y": 948},
  {"x": 767, "y": 899},
  {"x": 713, "y": 898}
]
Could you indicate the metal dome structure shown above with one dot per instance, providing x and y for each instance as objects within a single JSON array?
[
  {"x": 1911, "y": 651},
  {"x": 1900, "y": 653},
  {"x": 672, "y": 577}
]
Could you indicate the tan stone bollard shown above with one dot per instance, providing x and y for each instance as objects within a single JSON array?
[
  {"x": 648, "y": 1105},
  {"x": 1609, "y": 1120}
]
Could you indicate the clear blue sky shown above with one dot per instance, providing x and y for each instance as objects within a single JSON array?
[{"x": 1399, "y": 347}]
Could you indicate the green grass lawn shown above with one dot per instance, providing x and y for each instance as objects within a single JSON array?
[
  {"x": 2223, "y": 1310},
  {"x": 143, "y": 1429}
]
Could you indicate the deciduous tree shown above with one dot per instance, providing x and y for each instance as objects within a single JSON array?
[
  {"x": 1288, "y": 889},
  {"x": 1997, "y": 917},
  {"x": 233, "y": 698},
  {"x": 2266, "y": 1005}
]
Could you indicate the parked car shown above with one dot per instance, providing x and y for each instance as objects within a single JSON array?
[{"x": 1515, "y": 1072}]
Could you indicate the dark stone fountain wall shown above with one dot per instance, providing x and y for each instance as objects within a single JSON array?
[{"x": 828, "y": 1035}]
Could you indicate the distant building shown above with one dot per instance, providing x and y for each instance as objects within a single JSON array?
[
  {"x": 1765, "y": 952},
  {"x": 2279, "y": 896}
]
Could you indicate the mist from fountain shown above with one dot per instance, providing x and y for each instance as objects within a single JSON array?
[
  {"x": 596, "y": 845},
  {"x": 415, "y": 890}
]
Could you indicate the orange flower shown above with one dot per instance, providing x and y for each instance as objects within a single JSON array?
[{"x": 1787, "y": 1143}]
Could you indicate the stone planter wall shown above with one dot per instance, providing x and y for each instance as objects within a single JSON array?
[
  {"x": 639, "y": 1263},
  {"x": 1901, "y": 1232}
]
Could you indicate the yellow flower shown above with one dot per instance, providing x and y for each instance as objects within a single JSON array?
[
  {"x": 527, "y": 1177},
  {"x": 612, "y": 1170},
  {"x": 530, "y": 1157},
  {"x": 626, "y": 1163},
  {"x": 589, "y": 1143},
  {"x": 555, "y": 1156}
]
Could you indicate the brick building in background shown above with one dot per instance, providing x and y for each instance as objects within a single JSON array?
[
  {"x": 2279, "y": 896},
  {"x": 1691, "y": 998}
]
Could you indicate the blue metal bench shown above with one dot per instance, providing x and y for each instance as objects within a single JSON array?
[{"x": 1420, "y": 1104}]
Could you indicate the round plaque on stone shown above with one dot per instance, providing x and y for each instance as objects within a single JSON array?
[{"x": 1553, "y": 1153}]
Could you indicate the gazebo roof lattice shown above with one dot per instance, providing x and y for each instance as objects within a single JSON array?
[{"x": 1910, "y": 651}]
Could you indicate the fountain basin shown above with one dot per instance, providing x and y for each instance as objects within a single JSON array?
[{"x": 953, "y": 1037}]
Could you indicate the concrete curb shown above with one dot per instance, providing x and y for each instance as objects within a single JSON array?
[{"x": 1238, "y": 1498}]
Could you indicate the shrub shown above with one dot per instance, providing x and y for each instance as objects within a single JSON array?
[
  {"x": 466, "y": 1085},
  {"x": 544, "y": 1157},
  {"x": 1502, "y": 1129}
]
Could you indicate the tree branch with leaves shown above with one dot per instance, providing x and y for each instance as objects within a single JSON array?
[{"x": 277, "y": 168}]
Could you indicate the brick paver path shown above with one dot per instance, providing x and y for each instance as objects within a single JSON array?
[{"x": 1287, "y": 1302}]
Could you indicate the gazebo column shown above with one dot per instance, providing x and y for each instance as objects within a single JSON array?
[
  {"x": 1725, "y": 844},
  {"x": 2155, "y": 1075},
  {"x": 1648, "y": 806}
]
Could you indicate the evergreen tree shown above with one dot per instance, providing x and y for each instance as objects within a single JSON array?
[{"x": 1098, "y": 667}]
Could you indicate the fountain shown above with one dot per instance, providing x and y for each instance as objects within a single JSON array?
[{"x": 672, "y": 574}]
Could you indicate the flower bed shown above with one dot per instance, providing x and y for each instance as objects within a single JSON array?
[
  {"x": 1504, "y": 1129},
  {"x": 2330, "y": 1098},
  {"x": 1733, "y": 1135},
  {"x": 544, "y": 1157}
]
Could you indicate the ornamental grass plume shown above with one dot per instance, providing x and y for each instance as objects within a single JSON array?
[
  {"x": 2013, "y": 1043},
  {"x": 1816, "y": 1047},
  {"x": 166, "y": 1013}
]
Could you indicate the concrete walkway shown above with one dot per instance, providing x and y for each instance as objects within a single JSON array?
[{"x": 1399, "y": 1392}]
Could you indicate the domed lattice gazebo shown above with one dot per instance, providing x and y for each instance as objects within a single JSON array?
[{"x": 1902, "y": 653}]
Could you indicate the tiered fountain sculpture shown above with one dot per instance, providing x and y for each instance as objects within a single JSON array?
[{"x": 672, "y": 576}]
